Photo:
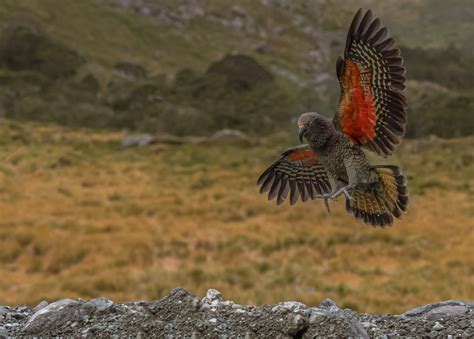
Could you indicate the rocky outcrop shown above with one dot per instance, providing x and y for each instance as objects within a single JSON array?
[
  {"x": 138, "y": 140},
  {"x": 181, "y": 314},
  {"x": 177, "y": 16}
]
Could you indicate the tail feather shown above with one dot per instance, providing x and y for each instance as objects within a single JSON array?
[{"x": 378, "y": 204}]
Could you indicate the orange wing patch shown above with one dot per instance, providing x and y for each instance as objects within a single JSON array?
[
  {"x": 372, "y": 109},
  {"x": 302, "y": 155},
  {"x": 357, "y": 106}
]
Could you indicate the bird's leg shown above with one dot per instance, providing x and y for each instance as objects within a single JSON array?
[
  {"x": 326, "y": 197},
  {"x": 344, "y": 190}
]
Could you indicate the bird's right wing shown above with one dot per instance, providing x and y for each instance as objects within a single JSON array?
[
  {"x": 372, "y": 109},
  {"x": 297, "y": 172}
]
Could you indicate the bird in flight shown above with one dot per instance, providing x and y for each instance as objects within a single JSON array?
[{"x": 371, "y": 115}]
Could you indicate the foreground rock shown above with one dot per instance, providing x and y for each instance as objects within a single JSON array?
[{"x": 183, "y": 314}]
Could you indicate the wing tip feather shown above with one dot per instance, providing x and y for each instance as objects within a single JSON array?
[{"x": 291, "y": 175}]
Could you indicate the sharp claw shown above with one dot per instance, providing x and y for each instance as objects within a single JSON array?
[
  {"x": 333, "y": 196},
  {"x": 345, "y": 191},
  {"x": 326, "y": 198},
  {"x": 348, "y": 196},
  {"x": 326, "y": 203}
]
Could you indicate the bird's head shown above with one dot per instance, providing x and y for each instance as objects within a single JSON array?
[{"x": 315, "y": 128}]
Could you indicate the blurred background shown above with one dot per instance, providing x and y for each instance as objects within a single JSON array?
[{"x": 84, "y": 213}]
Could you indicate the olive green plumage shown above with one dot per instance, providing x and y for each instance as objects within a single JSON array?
[{"x": 371, "y": 115}]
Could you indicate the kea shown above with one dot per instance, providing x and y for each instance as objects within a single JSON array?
[{"x": 371, "y": 115}]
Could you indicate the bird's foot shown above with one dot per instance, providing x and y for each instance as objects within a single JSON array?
[
  {"x": 344, "y": 190},
  {"x": 335, "y": 195},
  {"x": 326, "y": 197}
]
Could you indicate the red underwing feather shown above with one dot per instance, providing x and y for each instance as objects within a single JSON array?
[
  {"x": 300, "y": 155},
  {"x": 358, "y": 109},
  {"x": 372, "y": 109}
]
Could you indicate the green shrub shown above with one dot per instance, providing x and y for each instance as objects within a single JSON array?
[
  {"x": 437, "y": 111},
  {"x": 450, "y": 67},
  {"x": 22, "y": 48}
]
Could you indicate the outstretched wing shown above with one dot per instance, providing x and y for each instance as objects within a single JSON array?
[
  {"x": 297, "y": 172},
  {"x": 372, "y": 109}
]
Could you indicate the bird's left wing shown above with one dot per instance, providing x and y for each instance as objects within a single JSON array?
[
  {"x": 297, "y": 172},
  {"x": 372, "y": 109}
]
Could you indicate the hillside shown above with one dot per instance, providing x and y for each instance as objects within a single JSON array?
[{"x": 144, "y": 64}]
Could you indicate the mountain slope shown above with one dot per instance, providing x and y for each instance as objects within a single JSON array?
[{"x": 297, "y": 41}]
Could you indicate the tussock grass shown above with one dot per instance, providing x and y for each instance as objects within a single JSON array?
[{"x": 135, "y": 223}]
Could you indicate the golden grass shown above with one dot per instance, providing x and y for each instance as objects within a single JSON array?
[{"x": 81, "y": 217}]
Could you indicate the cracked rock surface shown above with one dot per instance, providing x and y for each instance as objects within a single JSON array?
[{"x": 181, "y": 313}]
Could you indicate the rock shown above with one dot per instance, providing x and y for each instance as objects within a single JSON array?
[
  {"x": 465, "y": 324},
  {"x": 3, "y": 333},
  {"x": 138, "y": 140},
  {"x": 177, "y": 16},
  {"x": 298, "y": 324},
  {"x": 367, "y": 324},
  {"x": 41, "y": 304},
  {"x": 327, "y": 303},
  {"x": 47, "y": 317},
  {"x": 335, "y": 313},
  {"x": 229, "y": 134},
  {"x": 317, "y": 317},
  {"x": 101, "y": 304},
  {"x": 291, "y": 306},
  {"x": 445, "y": 306},
  {"x": 213, "y": 297},
  {"x": 64, "y": 314},
  {"x": 182, "y": 314},
  {"x": 450, "y": 310}
]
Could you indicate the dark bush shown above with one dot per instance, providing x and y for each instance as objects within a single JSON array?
[
  {"x": 131, "y": 70},
  {"x": 450, "y": 67},
  {"x": 434, "y": 110},
  {"x": 89, "y": 84},
  {"x": 21, "y": 48},
  {"x": 237, "y": 92},
  {"x": 184, "y": 77},
  {"x": 241, "y": 72}
]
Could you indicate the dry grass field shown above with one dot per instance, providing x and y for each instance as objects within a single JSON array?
[{"x": 82, "y": 217}]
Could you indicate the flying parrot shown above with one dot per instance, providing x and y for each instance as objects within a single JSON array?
[{"x": 371, "y": 115}]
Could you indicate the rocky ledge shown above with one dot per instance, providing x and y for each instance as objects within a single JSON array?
[{"x": 181, "y": 314}]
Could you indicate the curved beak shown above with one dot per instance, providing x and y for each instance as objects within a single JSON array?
[{"x": 301, "y": 132}]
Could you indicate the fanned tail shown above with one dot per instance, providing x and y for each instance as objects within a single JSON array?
[{"x": 378, "y": 204}]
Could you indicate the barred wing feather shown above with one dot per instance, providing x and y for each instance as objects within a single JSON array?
[{"x": 298, "y": 173}]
